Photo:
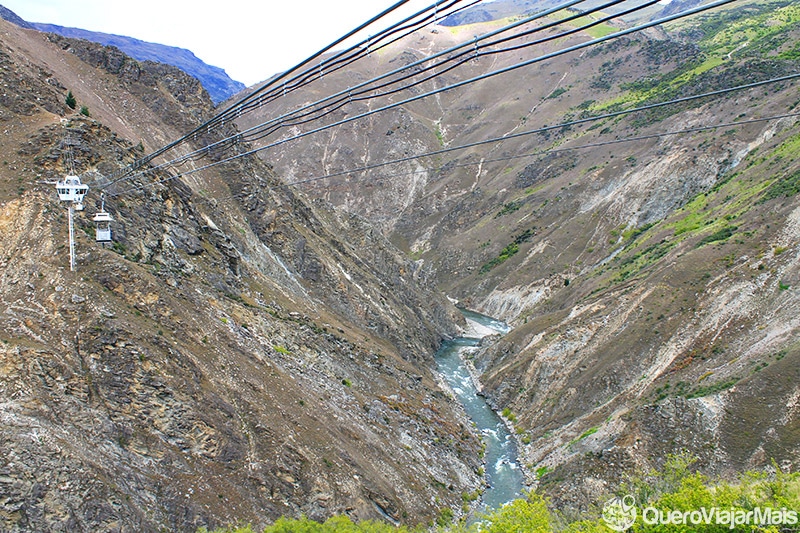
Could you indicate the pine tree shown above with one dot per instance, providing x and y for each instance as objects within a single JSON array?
[{"x": 71, "y": 102}]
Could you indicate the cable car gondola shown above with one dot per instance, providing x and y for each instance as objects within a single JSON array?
[{"x": 103, "y": 232}]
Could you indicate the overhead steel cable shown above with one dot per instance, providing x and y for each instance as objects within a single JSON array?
[
  {"x": 543, "y": 129},
  {"x": 598, "y": 144},
  {"x": 199, "y": 129},
  {"x": 592, "y": 24},
  {"x": 551, "y": 55},
  {"x": 358, "y": 51},
  {"x": 338, "y": 100},
  {"x": 250, "y": 102},
  {"x": 406, "y": 67},
  {"x": 491, "y": 74},
  {"x": 696, "y": 129},
  {"x": 356, "y": 95},
  {"x": 463, "y": 83},
  {"x": 477, "y": 52},
  {"x": 246, "y": 101},
  {"x": 340, "y": 59},
  {"x": 469, "y": 44}
]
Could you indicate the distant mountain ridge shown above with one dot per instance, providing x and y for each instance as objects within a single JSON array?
[
  {"x": 7, "y": 14},
  {"x": 215, "y": 80}
]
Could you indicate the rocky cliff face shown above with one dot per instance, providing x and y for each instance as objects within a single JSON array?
[
  {"x": 648, "y": 265},
  {"x": 239, "y": 353}
]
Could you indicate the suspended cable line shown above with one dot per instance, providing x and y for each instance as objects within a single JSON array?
[
  {"x": 463, "y": 83},
  {"x": 543, "y": 129},
  {"x": 473, "y": 52},
  {"x": 357, "y": 52},
  {"x": 598, "y": 144},
  {"x": 263, "y": 130},
  {"x": 491, "y": 74},
  {"x": 353, "y": 93},
  {"x": 236, "y": 108},
  {"x": 442, "y": 53},
  {"x": 249, "y": 135}
]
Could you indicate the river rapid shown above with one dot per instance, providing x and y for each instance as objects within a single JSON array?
[{"x": 503, "y": 474}]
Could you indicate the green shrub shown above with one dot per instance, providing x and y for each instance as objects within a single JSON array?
[
  {"x": 675, "y": 487},
  {"x": 782, "y": 188},
  {"x": 505, "y": 253},
  {"x": 713, "y": 388},
  {"x": 530, "y": 515},
  {"x": 509, "y": 208},
  {"x": 721, "y": 235}
]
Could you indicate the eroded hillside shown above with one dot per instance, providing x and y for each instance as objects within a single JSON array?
[
  {"x": 647, "y": 261},
  {"x": 238, "y": 353}
]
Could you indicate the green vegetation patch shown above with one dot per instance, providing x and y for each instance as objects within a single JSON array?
[
  {"x": 588, "y": 432},
  {"x": 719, "y": 235},
  {"x": 595, "y": 32},
  {"x": 714, "y": 388},
  {"x": 505, "y": 253},
  {"x": 508, "y": 251},
  {"x": 782, "y": 188},
  {"x": 646, "y": 256},
  {"x": 556, "y": 93},
  {"x": 674, "y": 487},
  {"x": 755, "y": 30},
  {"x": 728, "y": 47},
  {"x": 509, "y": 208}
]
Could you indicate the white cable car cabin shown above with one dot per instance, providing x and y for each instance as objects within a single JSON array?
[
  {"x": 103, "y": 233},
  {"x": 72, "y": 190}
]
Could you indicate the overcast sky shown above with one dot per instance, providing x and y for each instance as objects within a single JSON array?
[{"x": 251, "y": 40}]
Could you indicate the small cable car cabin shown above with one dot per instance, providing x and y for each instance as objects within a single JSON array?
[
  {"x": 103, "y": 231},
  {"x": 72, "y": 190}
]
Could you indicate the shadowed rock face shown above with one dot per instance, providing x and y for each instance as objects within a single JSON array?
[
  {"x": 648, "y": 273},
  {"x": 238, "y": 353}
]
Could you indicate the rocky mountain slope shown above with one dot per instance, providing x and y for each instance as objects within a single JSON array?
[
  {"x": 214, "y": 79},
  {"x": 651, "y": 278},
  {"x": 238, "y": 353}
]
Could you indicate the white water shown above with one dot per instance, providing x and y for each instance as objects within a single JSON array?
[{"x": 503, "y": 474}]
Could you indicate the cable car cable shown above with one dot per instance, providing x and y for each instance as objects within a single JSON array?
[
  {"x": 206, "y": 126},
  {"x": 258, "y": 132},
  {"x": 540, "y": 153},
  {"x": 543, "y": 129}
]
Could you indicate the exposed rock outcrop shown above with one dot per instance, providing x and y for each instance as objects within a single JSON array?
[{"x": 237, "y": 353}]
